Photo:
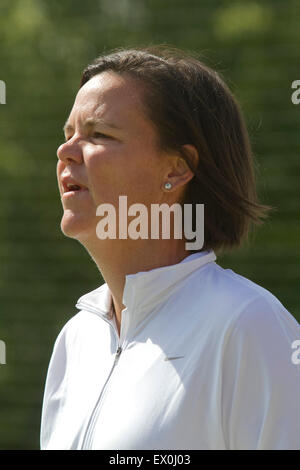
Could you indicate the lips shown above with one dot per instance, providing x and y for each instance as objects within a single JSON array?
[{"x": 70, "y": 184}]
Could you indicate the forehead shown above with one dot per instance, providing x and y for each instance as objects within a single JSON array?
[{"x": 112, "y": 97}]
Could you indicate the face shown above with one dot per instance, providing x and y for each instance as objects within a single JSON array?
[{"x": 110, "y": 150}]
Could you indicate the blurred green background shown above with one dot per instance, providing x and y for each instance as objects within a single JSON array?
[{"x": 44, "y": 45}]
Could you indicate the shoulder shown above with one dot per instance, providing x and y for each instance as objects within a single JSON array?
[
  {"x": 233, "y": 285},
  {"x": 75, "y": 330},
  {"x": 234, "y": 293},
  {"x": 230, "y": 305},
  {"x": 65, "y": 334},
  {"x": 258, "y": 326}
]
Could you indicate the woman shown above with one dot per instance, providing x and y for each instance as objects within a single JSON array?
[{"x": 172, "y": 351}]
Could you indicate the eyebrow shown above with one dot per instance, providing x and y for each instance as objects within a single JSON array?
[{"x": 92, "y": 122}]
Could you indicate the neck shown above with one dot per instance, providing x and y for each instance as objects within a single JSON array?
[{"x": 117, "y": 258}]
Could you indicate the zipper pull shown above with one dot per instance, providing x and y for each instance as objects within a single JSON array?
[{"x": 117, "y": 355}]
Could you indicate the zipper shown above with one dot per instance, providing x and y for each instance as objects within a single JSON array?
[{"x": 92, "y": 420}]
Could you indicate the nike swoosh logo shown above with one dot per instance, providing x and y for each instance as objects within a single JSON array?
[{"x": 172, "y": 358}]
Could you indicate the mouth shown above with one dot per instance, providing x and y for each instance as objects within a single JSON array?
[{"x": 72, "y": 188}]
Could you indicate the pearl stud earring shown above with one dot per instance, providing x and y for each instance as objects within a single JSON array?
[{"x": 167, "y": 185}]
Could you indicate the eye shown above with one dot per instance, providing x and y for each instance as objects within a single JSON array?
[{"x": 99, "y": 135}]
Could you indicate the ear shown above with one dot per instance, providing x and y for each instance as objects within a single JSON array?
[{"x": 180, "y": 174}]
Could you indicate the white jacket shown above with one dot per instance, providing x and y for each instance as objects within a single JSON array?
[{"x": 203, "y": 361}]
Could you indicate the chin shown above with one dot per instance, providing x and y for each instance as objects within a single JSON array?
[{"x": 77, "y": 227}]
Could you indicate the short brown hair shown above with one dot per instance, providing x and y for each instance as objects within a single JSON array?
[{"x": 189, "y": 103}]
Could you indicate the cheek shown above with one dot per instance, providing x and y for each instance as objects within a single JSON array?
[
  {"x": 102, "y": 169},
  {"x": 113, "y": 172}
]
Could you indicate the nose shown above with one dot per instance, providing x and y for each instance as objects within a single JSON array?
[{"x": 69, "y": 152}]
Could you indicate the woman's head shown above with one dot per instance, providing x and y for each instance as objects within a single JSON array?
[
  {"x": 196, "y": 117},
  {"x": 189, "y": 103}
]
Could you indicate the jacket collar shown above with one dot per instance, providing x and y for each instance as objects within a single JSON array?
[{"x": 145, "y": 290}]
